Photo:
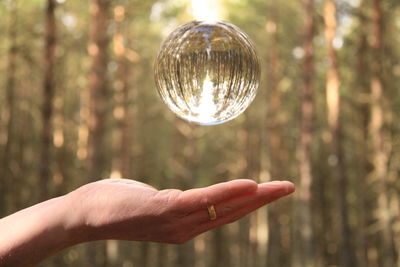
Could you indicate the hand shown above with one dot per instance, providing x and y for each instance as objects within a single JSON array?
[{"x": 129, "y": 210}]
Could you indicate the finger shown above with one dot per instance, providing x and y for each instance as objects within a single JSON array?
[
  {"x": 235, "y": 208},
  {"x": 200, "y": 198},
  {"x": 241, "y": 212}
]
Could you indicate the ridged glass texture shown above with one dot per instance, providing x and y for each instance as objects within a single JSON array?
[{"x": 207, "y": 73}]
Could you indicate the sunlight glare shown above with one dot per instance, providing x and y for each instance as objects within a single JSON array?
[{"x": 206, "y": 10}]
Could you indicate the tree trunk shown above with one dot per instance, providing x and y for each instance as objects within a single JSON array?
[
  {"x": 336, "y": 157},
  {"x": 303, "y": 239},
  {"x": 220, "y": 255},
  {"x": 9, "y": 112},
  {"x": 363, "y": 210},
  {"x": 123, "y": 132},
  {"x": 248, "y": 225},
  {"x": 98, "y": 89},
  {"x": 377, "y": 135},
  {"x": 98, "y": 148},
  {"x": 185, "y": 154},
  {"x": 123, "y": 97},
  {"x": 276, "y": 252},
  {"x": 48, "y": 95}
]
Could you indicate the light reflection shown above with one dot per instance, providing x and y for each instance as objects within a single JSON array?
[
  {"x": 206, "y": 108},
  {"x": 206, "y": 10}
]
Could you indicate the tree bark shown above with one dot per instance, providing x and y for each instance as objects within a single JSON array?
[
  {"x": 123, "y": 133},
  {"x": 98, "y": 90},
  {"x": 9, "y": 112},
  {"x": 334, "y": 122},
  {"x": 277, "y": 254},
  {"x": 377, "y": 135},
  {"x": 123, "y": 97},
  {"x": 362, "y": 243},
  {"x": 220, "y": 254},
  {"x": 98, "y": 147},
  {"x": 185, "y": 154},
  {"x": 303, "y": 240},
  {"x": 248, "y": 225},
  {"x": 48, "y": 96}
]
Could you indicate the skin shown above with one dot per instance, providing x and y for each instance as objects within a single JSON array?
[{"x": 124, "y": 209}]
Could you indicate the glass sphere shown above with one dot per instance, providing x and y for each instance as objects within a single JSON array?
[{"x": 207, "y": 72}]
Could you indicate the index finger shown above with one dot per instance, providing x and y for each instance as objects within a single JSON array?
[{"x": 200, "y": 198}]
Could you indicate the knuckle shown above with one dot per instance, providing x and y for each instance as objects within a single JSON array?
[
  {"x": 205, "y": 201},
  {"x": 171, "y": 202}
]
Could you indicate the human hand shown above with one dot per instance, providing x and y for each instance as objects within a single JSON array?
[{"x": 129, "y": 210}]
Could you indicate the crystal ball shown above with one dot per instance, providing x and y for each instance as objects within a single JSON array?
[{"x": 207, "y": 72}]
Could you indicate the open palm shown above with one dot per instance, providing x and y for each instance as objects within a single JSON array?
[{"x": 130, "y": 210}]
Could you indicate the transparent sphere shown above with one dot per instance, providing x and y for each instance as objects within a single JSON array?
[{"x": 207, "y": 72}]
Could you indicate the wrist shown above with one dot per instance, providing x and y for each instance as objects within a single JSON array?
[
  {"x": 75, "y": 222},
  {"x": 37, "y": 232}
]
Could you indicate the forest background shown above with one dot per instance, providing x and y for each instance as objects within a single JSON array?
[{"x": 78, "y": 103}]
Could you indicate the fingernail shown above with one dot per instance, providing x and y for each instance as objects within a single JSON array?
[{"x": 289, "y": 186}]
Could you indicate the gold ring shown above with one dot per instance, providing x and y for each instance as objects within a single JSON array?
[{"x": 211, "y": 212}]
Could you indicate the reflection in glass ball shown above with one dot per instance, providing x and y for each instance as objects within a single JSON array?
[{"x": 207, "y": 72}]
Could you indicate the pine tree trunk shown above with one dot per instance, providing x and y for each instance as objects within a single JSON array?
[
  {"x": 276, "y": 252},
  {"x": 185, "y": 154},
  {"x": 98, "y": 148},
  {"x": 123, "y": 96},
  {"x": 245, "y": 170},
  {"x": 7, "y": 176},
  {"x": 303, "y": 235},
  {"x": 123, "y": 132},
  {"x": 337, "y": 160},
  {"x": 248, "y": 225},
  {"x": 377, "y": 135},
  {"x": 363, "y": 210},
  {"x": 48, "y": 95},
  {"x": 219, "y": 249},
  {"x": 98, "y": 88}
]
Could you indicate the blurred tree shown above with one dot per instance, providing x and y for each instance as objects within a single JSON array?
[
  {"x": 48, "y": 96},
  {"x": 276, "y": 252},
  {"x": 99, "y": 105},
  {"x": 123, "y": 97},
  {"x": 186, "y": 157},
  {"x": 7, "y": 174},
  {"x": 303, "y": 241},
  {"x": 363, "y": 214},
  {"x": 99, "y": 89},
  {"x": 335, "y": 127},
  {"x": 379, "y": 137}
]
